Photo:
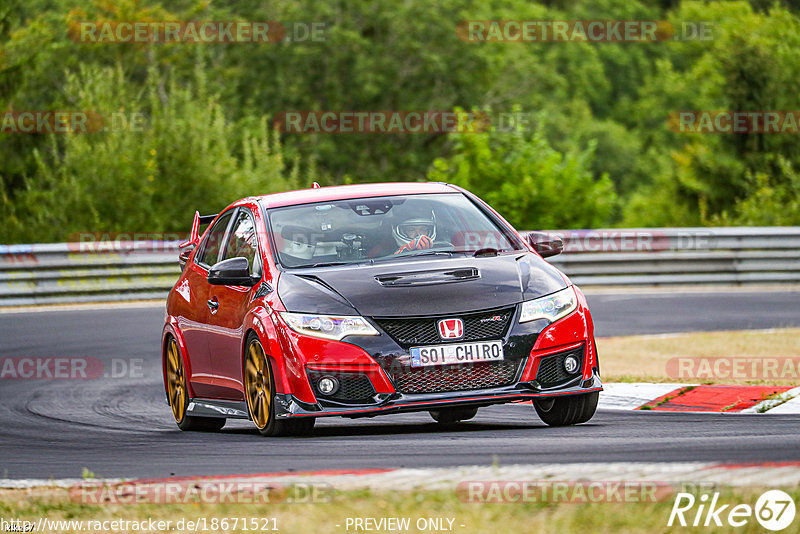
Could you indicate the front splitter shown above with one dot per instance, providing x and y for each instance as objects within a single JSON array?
[{"x": 288, "y": 406}]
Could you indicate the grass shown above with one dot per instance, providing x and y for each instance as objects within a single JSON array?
[
  {"x": 644, "y": 358},
  {"x": 775, "y": 400},
  {"x": 324, "y": 517}
]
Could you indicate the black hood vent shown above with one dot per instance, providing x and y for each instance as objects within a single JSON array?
[{"x": 424, "y": 278}]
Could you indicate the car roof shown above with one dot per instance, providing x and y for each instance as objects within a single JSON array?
[{"x": 345, "y": 192}]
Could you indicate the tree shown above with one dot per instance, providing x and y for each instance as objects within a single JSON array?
[
  {"x": 532, "y": 185},
  {"x": 186, "y": 156}
]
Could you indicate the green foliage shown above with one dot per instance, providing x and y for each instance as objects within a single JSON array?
[
  {"x": 186, "y": 156},
  {"x": 774, "y": 201},
  {"x": 751, "y": 64},
  {"x": 601, "y": 153},
  {"x": 527, "y": 181}
]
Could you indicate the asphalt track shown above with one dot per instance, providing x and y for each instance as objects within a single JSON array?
[{"x": 121, "y": 427}]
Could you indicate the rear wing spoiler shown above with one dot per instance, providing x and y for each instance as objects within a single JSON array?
[{"x": 194, "y": 237}]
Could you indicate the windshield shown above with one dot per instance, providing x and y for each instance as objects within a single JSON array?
[{"x": 381, "y": 228}]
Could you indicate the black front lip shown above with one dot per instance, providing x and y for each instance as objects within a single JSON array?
[{"x": 288, "y": 406}]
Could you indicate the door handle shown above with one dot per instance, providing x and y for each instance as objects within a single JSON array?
[{"x": 213, "y": 304}]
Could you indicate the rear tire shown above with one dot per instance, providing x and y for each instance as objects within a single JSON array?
[
  {"x": 448, "y": 416},
  {"x": 178, "y": 394},
  {"x": 259, "y": 389},
  {"x": 564, "y": 411}
]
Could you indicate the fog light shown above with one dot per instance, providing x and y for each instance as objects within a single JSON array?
[
  {"x": 327, "y": 385},
  {"x": 571, "y": 364}
]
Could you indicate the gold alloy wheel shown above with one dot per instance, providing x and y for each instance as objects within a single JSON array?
[
  {"x": 176, "y": 381},
  {"x": 258, "y": 385}
]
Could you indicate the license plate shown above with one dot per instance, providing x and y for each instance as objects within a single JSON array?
[{"x": 483, "y": 351}]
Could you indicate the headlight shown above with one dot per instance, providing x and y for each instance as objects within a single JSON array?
[
  {"x": 552, "y": 307},
  {"x": 328, "y": 326}
]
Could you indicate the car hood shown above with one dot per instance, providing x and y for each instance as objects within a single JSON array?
[{"x": 419, "y": 286}]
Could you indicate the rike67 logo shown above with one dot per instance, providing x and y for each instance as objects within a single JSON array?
[{"x": 774, "y": 510}]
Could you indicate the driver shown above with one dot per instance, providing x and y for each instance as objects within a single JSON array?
[{"x": 416, "y": 233}]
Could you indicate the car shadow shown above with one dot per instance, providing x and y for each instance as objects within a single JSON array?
[{"x": 346, "y": 430}]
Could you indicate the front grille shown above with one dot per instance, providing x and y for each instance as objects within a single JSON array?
[
  {"x": 551, "y": 368},
  {"x": 353, "y": 388},
  {"x": 478, "y": 326},
  {"x": 480, "y": 375}
]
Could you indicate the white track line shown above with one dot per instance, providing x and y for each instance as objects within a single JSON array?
[
  {"x": 625, "y": 396},
  {"x": 785, "y": 403}
]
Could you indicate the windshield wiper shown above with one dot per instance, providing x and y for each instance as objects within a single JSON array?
[
  {"x": 323, "y": 264},
  {"x": 427, "y": 253}
]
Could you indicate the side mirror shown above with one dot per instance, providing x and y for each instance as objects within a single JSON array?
[
  {"x": 545, "y": 244},
  {"x": 232, "y": 272}
]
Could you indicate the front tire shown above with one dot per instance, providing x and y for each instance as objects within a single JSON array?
[
  {"x": 259, "y": 391},
  {"x": 448, "y": 416},
  {"x": 178, "y": 394},
  {"x": 564, "y": 411}
]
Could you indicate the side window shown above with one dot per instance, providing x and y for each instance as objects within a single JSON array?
[
  {"x": 242, "y": 241},
  {"x": 213, "y": 242}
]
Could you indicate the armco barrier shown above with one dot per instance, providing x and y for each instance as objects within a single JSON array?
[
  {"x": 132, "y": 270},
  {"x": 674, "y": 256},
  {"x": 84, "y": 272}
]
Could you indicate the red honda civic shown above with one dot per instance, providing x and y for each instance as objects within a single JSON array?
[{"x": 363, "y": 300}]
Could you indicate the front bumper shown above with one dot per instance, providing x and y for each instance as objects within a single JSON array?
[
  {"x": 287, "y": 406},
  {"x": 538, "y": 350}
]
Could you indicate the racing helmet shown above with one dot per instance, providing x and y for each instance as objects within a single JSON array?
[
  {"x": 410, "y": 228},
  {"x": 297, "y": 242}
]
